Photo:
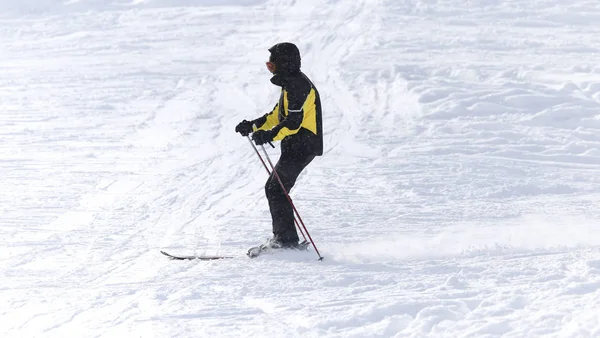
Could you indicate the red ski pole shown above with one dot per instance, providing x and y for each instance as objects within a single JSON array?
[
  {"x": 290, "y": 200},
  {"x": 269, "y": 171}
]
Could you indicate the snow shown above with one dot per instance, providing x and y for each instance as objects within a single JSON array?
[{"x": 458, "y": 194}]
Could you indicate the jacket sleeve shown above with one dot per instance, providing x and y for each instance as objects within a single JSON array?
[
  {"x": 295, "y": 98},
  {"x": 267, "y": 121}
]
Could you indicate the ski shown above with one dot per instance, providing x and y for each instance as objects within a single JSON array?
[
  {"x": 194, "y": 257},
  {"x": 253, "y": 252}
]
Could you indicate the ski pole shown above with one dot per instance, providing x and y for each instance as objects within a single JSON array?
[
  {"x": 269, "y": 171},
  {"x": 291, "y": 203}
]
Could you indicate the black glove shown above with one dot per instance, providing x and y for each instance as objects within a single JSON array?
[
  {"x": 244, "y": 128},
  {"x": 261, "y": 137}
]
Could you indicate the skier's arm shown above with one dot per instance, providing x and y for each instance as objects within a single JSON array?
[
  {"x": 267, "y": 121},
  {"x": 295, "y": 98}
]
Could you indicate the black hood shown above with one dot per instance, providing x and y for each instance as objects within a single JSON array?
[{"x": 286, "y": 58}]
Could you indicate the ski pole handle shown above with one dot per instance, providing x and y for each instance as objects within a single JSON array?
[{"x": 254, "y": 127}]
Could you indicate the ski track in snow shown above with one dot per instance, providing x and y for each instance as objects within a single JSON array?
[{"x": 457, "y": 197}]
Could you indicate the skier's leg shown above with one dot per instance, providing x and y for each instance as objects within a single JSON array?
[{"x": 288, "y": 168}]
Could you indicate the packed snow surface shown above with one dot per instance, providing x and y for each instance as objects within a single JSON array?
[{"x": 458, "y": 195}]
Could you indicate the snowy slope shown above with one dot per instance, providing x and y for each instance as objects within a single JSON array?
[{"x": 458, "y": 196}]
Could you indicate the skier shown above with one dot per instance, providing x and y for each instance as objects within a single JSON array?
[{"x": 295, "y": 121}]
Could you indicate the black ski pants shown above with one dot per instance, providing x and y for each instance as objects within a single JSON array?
[{"x": 289, "y": 167}]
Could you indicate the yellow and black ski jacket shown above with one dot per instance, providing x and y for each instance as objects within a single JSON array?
[{"x": 296, "y": 119}]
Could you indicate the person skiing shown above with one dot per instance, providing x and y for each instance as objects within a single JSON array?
[{"x": 295, "y": 121}]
